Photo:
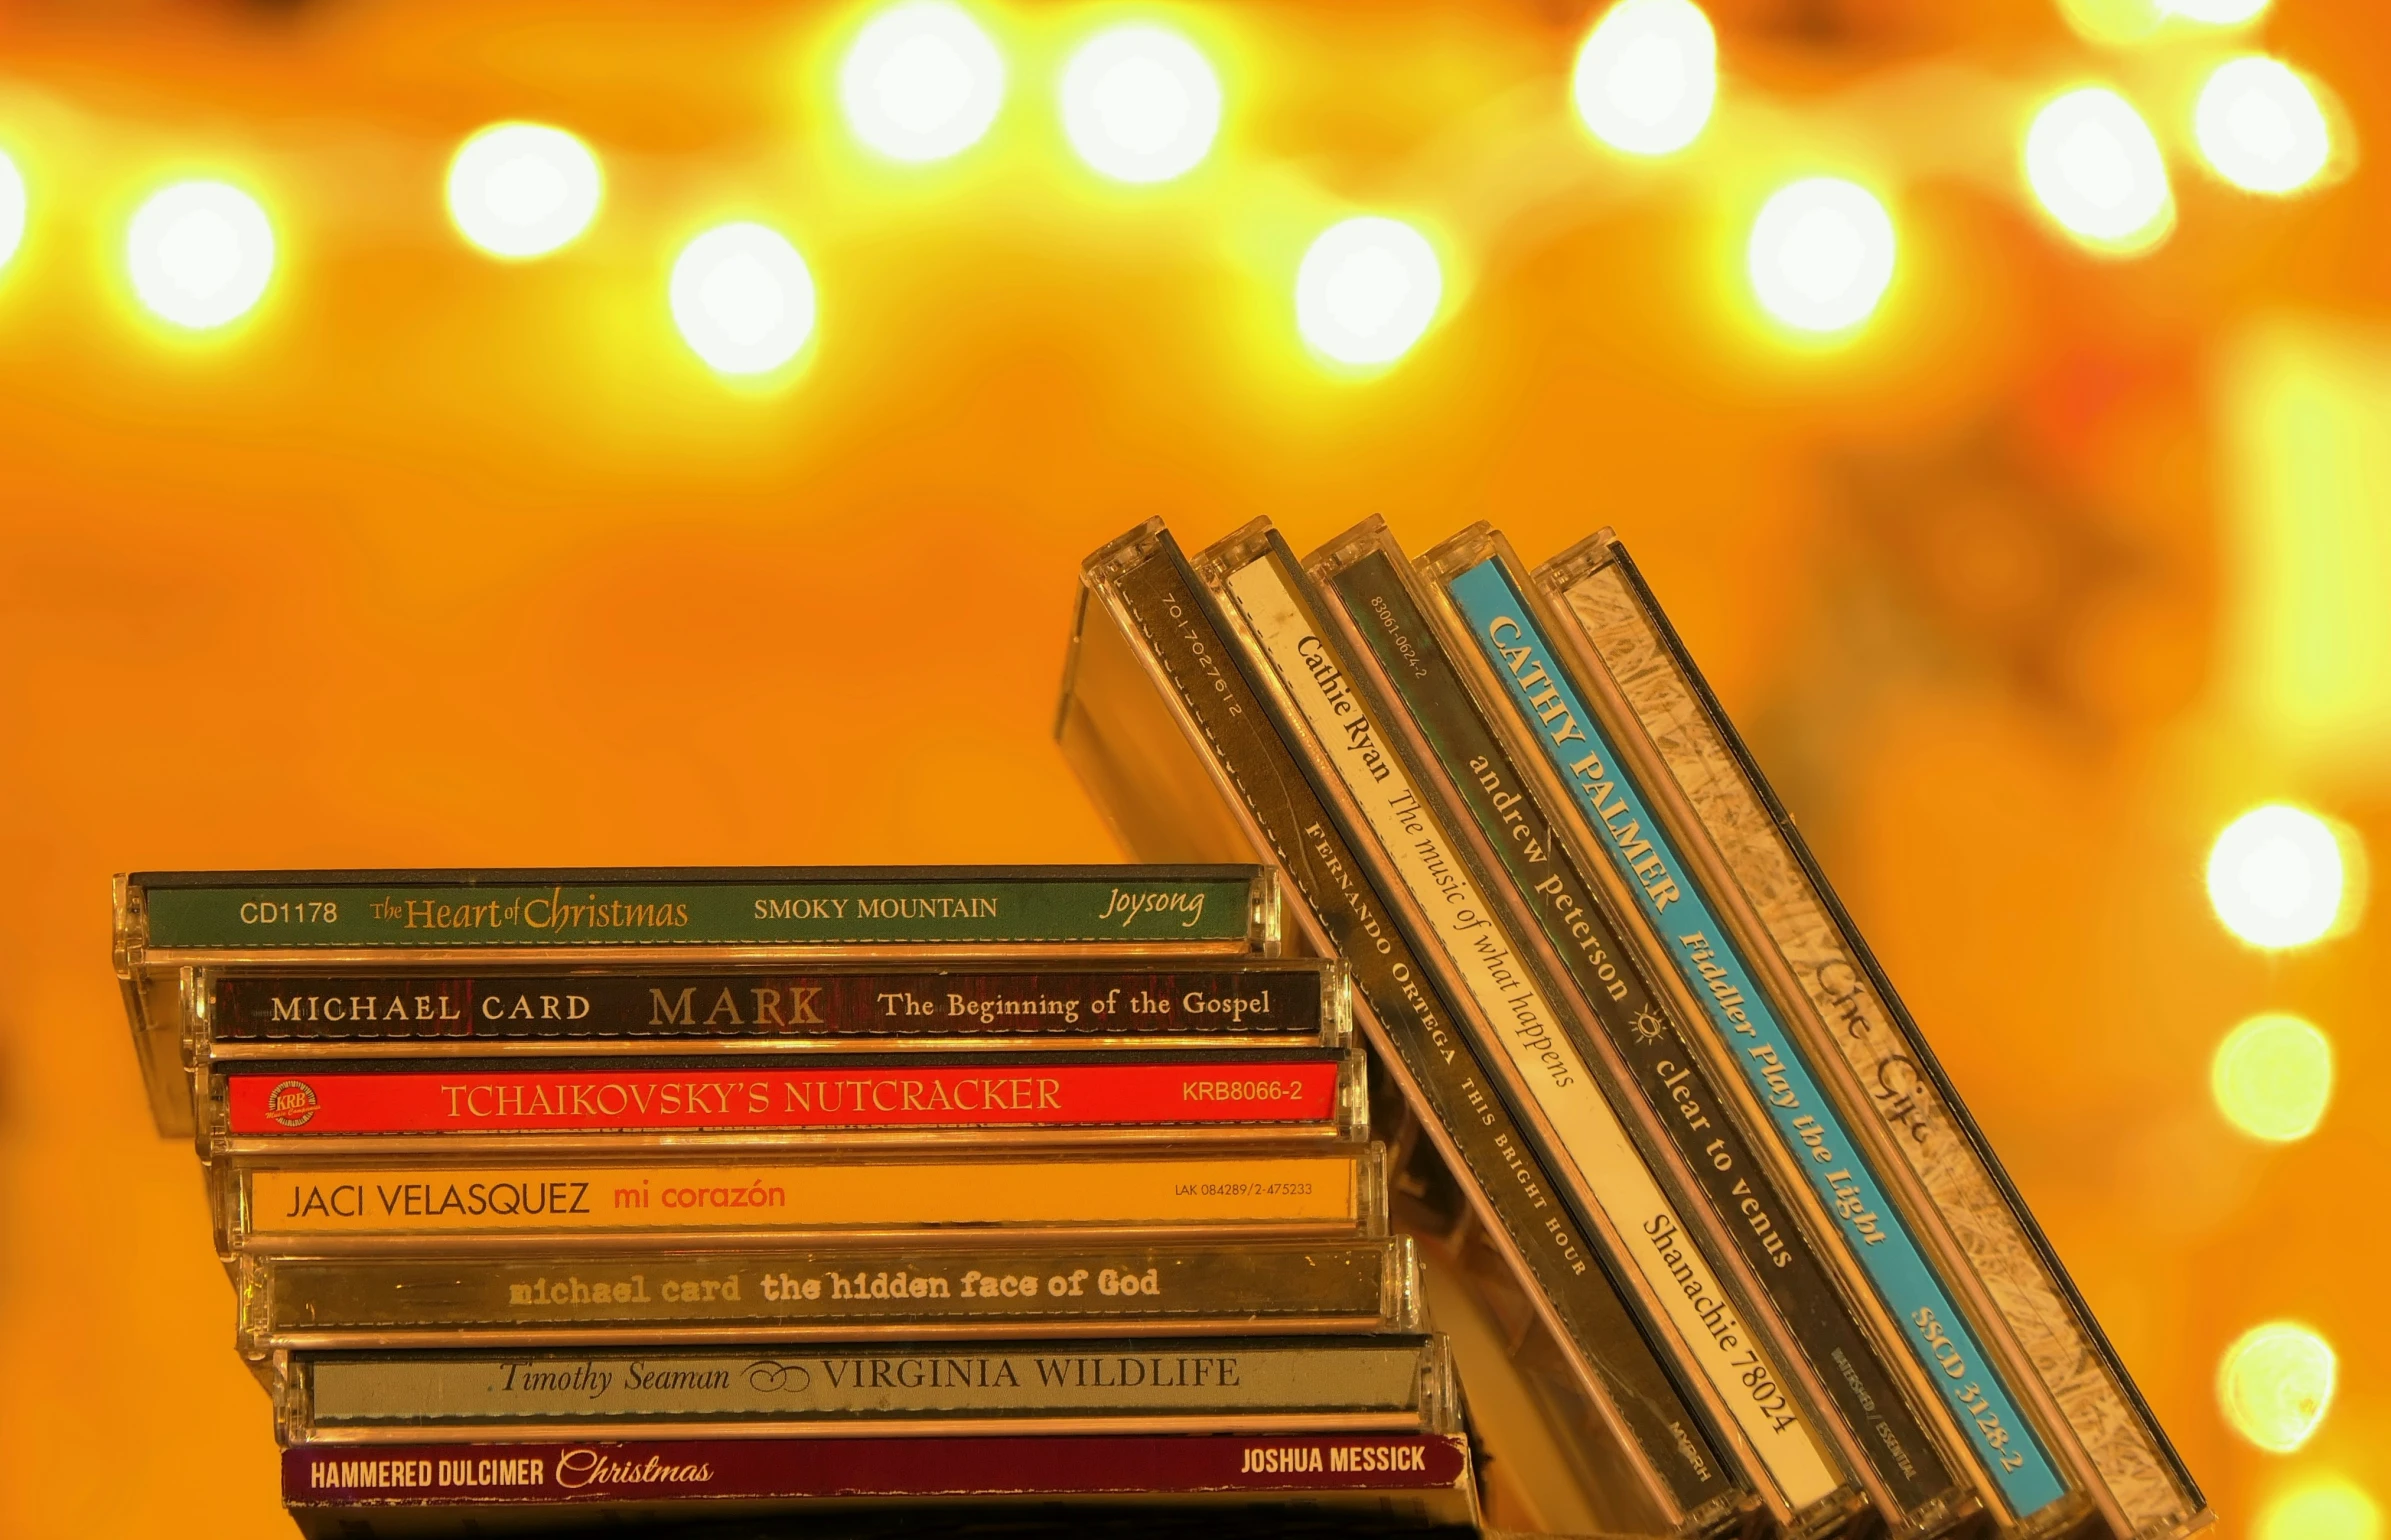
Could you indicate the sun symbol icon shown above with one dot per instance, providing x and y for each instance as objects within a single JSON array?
[{"x": 1648, "y": 1025}]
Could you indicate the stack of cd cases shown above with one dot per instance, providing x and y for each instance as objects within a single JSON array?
[
  {"x": 864, "y": 1198},
  {"x": 1718, "y": 1247}
]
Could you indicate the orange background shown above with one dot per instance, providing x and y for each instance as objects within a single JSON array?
[{"x": 436, "y": 561}]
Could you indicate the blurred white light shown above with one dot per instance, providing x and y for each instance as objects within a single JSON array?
[
  {"x": 2275, "y": 876},
  {"x": 2273, "y": 1077},
  {"x": 1367, "y": 289},
  {"x": 742, "y": 298},
  {"x": 201, "y": 253},
  {"x": 12, "y": 209},
  {"x": 922, "y": 82},
  {"x": 1821, "y": 254},
  {"x": 2259, "y": 125},
  {"x": 2216, "y": 13},
  {"x": 2332, "y": 1509},
  {"x": 2094, "y": 165},
  {"x": 1647, "y": 76},
  {"x": 1141, "y": 104},
  {"x": 523, "y": 189},
  {"x": 2275, "y": 1384}
]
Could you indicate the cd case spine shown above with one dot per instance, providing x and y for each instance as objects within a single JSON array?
[
  {"x": 1187, "y": 1385},
  {"x": 234, "y": 1012},
  {"x": 935, "y": 1287},
  {"x": 1613, "y": 805},
  {"x": 286, "y": 1204},
  {"x": 2148, "y": 1490},
  {"x": 1219, "y": 907},
  {"x": 1636, "y": 1029},
  {"x": 744, "y": 1100},
  {"x": 1510, "y": 1010},
  {"x": 1181, "y": 751},
  {"x": 1391, "y": 1480}
]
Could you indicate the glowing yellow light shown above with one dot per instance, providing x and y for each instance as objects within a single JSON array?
[
  {"x": 1367, "y": 290},
  {"x": 2215, "y": 13},
  {"x": 12, "y": 209},
  {"x": 2259, "y": 125},
  {"x": 2273, "y": 1077},
  {"x": 922, "y": 82},
  {"x": 2276, "y": 876},
  {"x": 2113, "y": 23},
  {"x": 200, "y": 253},
  {"x": 521, "y": 190},
  {"x": 2327, "y": 1510},
  {"x": 742, "y": 298},
  {"x": 1821, "y": 254},
  {"x": 1647, "y": 76},
  {"x": 2096, "y": 169},
  {"x": 1141, "y": 104},
  {"x": 2275, "y": 1384}
]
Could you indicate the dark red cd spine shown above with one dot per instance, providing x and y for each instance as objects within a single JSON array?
[{"x": 494, "y": 1474}]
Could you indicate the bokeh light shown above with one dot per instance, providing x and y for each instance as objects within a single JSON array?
[
  {"x": 2260, "y": 127},
  {"x": 1647, "y": 76},
  {"x": 1367, "y": 290},
  {"x": 12, "y": 209},
  {"x": 200, "y": 254},
  {"x": 2322, "y": 1510},
  {"x": 1821, "y": 254},
  {"x": 1141, "y": 104},
  {"x": 743, "y": 298},
  {"x": 2275, "y": 1385},
  {"x": 922, "y": 82},
  {"x": 2276, "y": 876},
  {"x": 2215, "y": 13},
  {"x": 2095, "y": 168},
  {"x": 2273, "y": 1077},
  {"x": 520, "y": 190},
  {"x": 2113, "y": 23},
  {"x": 2123, "y": 23}
]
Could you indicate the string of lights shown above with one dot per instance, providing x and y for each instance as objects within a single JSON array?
[
  {"x": 2282, "y": 878},
  {"x": 1140, "y": 104}
]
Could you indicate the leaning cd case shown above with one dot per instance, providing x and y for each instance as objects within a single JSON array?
[
  {"x": 1508, "y": 802},
  {"x": 1813, "y": 967},
  {"x": 1624, "y": 1015},
  {"x": 1191, "y": 758},
  {"x": 1892, "y": 1238},
  {"x": 1607, "y": 1170}
]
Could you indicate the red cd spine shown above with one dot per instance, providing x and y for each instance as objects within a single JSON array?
[{"x": 1003, "y": 1095}]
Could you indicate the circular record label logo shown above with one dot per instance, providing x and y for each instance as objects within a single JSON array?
[{"x": 291, "y": 1103}]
